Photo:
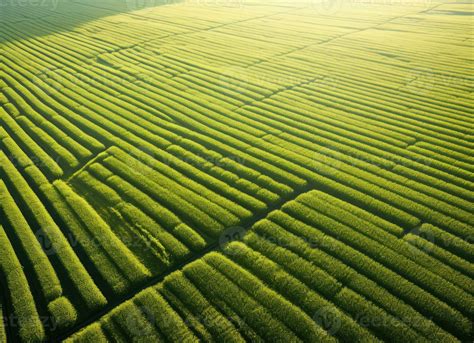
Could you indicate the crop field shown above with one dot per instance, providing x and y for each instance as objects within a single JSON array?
[{"x": 236, "y": 170}]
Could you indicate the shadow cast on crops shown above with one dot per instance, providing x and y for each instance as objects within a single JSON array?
[{"x": 23, "y": 19}]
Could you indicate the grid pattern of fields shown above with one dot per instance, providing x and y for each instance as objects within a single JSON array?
[{"x": 335, "y": 142}]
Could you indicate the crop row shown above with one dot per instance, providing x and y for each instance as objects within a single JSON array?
[
  {"x": 262, "y": 193},
  {"x": 438, "y": 172},
  {"x": 22, "y": 303},
  {"x": 389, "y": 251},
  {"x": 291, "y": 288},
  {"x": 224, "y": 315},
  {"x": 402, "y": 160},
  {"x": 54, "y": 271},
  {"x": 112, "y": 260},
  {"x": 3, "y": 334},
  {"x": 419, "y": 128},
  {"x": 247, "y": 187},
  {"x": 30, "y": 247},
  {"x": 136, "y": 206},
  {"x": 330, "y": 238},
  {"x": 127, "y": 149}
]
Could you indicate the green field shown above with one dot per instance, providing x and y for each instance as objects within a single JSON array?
[{"x": 236, "y": 170}]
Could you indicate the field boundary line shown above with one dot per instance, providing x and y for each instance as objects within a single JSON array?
[
  {"x": 94, "y": 159},
  {"x": 247, "y": 224}
]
